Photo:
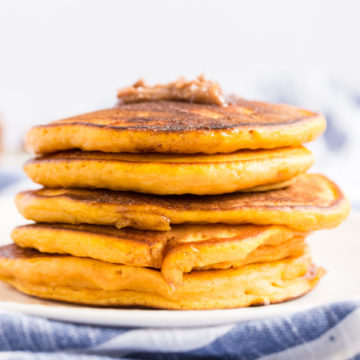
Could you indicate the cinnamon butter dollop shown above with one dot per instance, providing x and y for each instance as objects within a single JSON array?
[{"x": 200, "y": 91}]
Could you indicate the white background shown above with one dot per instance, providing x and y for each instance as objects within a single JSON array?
[{"x": 60, "y": 58}]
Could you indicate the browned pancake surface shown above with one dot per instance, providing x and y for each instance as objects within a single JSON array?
[
  {"x": 180, "y": 127},
  {"x": 172, "y": 116},
  {"x": 173, "y": 159},
  {"x": 12, "y": 251},
  {"x": 306, "y": 191}
]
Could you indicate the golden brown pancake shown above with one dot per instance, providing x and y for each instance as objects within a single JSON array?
[
  {"x": 169, "y": 174},
  {"x": 311, "y": 202},
  {"x": 88, "y": 281},
  {"x": 180, "y": 127},
  {"x": 179, "y": 250}
]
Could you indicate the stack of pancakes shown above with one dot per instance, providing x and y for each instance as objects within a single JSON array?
[{"x": 172, "y": 204}]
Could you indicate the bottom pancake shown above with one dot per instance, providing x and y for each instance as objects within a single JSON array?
[{"x": 93, "y": 282}]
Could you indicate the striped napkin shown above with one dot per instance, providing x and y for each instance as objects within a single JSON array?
[{"x": 328, "y": 332}]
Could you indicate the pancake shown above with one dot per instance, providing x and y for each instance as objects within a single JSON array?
[
  {"x": 311, "y": 202},
  {"x": 169, "y": 174},
  {"x": 179, "y": 250},
  {"x": 180, "y": 127},
  {"x": 92, "y": 282}
]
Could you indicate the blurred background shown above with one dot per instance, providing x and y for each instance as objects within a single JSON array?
[{"x": 62, "y": 58}]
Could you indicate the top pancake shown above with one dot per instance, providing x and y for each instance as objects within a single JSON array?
[{"x": 180, "y": 127}]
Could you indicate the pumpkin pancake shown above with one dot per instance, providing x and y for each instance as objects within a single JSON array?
[
  {"x": 311, "y": 202},
  {"x": 169, "y": 173},
  {"x": 93, "y": 282},
  {"x": 180, "y": 127},
  {"x": 179, "y": 250}
]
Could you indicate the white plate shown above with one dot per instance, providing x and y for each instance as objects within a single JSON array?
[{"x": 337, "y": 250}]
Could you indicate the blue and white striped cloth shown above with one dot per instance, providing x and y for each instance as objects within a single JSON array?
[{"x": 329, "y": 332}]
